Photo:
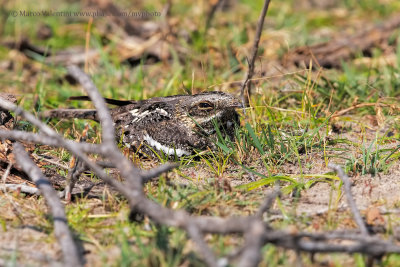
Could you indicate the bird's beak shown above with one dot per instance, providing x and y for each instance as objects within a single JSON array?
[{"x": 235, "y": 104}]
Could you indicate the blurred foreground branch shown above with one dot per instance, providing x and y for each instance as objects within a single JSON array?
[
  {"x": 72, "y": 257},
  {"x": 255, "y": 231}
]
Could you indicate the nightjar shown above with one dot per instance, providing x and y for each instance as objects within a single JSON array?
[{"x": 171, "y": 126}]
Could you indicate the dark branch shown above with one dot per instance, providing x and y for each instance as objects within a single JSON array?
[
  {"x": 211, "y": 14},
  {"x": 254, "y": 51}
]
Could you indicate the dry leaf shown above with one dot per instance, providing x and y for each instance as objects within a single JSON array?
[{"x": 374, "y": 216}]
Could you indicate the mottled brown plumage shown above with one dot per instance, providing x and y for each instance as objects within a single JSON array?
[
  {"x": 6, "y": 119},
  {"x": 173, "y": 125}
]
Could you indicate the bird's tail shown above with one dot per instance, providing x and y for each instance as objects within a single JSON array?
[
  {"x": 89, "y": 114},
  {"x": 108, "y": 100}
]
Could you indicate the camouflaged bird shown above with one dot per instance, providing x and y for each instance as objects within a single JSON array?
[{"x": 172, "y": 126}]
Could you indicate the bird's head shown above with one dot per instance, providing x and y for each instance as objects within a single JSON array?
[{"x": 206, "y": 107}]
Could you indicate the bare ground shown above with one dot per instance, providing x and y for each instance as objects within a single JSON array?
[{"x": 375, "y": 196}]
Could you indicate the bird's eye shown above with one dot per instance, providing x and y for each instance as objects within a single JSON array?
[{"x": 206, "y": 105}]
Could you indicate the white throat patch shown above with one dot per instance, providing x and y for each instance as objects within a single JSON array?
[{"x": 219, "y": 114}]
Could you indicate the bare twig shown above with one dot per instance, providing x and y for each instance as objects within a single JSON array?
[
  {"x": 51, "y": 161},
  {"x": 46, "y": 140},
  {"x": 71, "y": 254},
  {"x": 156, "y": 172},
  {"x": 255, "y": 231},
  {"x": 103, "y": 113},
  {"x": 52, "y": 137},
  {"x": 323, "y": 242},
  {"x": 211, "y": 14},
  {"x": 74, "y": 172},
  {"x": 269, "y": 200},
  {"x": 128, "y": 171},
  {"x": 251, "y": 255},
  {"x": 197, "y": 237},
  {"x": 347, "y": 189},
  {"x": 331, "y": 54},
  {"x": 344, "y": 111},
  {"x": 6, "y": 173},
  {"x": 254, "y": 51},
  {"x": 19, "y": 111},
  {"x": 76, "y": 168},
  {"x": 21, "y": 188}
]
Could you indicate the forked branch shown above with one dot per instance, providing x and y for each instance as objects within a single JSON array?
[{"x": 256, "y": 232}]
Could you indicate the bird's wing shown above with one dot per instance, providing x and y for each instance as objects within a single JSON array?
[
  {"x": 173, "y": 138},
  {"x": 142, "y": 113}
]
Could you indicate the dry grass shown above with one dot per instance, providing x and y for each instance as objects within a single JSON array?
[{"x": 287, "y": 133}]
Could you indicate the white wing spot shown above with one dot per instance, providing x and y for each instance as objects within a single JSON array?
[
  {"x": 167, "y": 150},
  {"x": 143, "y": 114},
  {"x": 134, "y": 112},
  {"x": 162, "y": 111},
  {"x": 138, "y": 116}
]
